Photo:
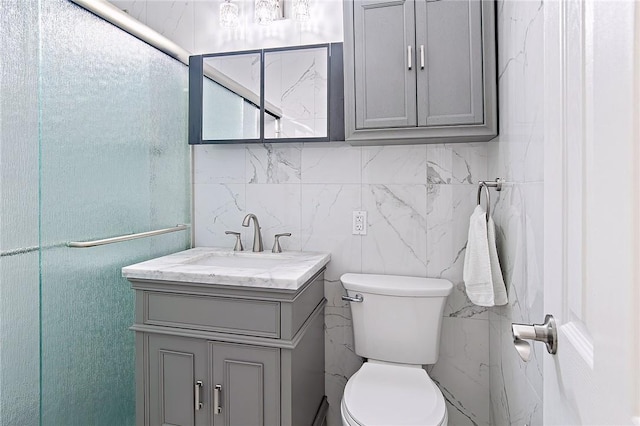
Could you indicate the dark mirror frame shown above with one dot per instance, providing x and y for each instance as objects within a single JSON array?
[
  {"x": 196, "y": 88},
  {"x": 335, "y": 96}
]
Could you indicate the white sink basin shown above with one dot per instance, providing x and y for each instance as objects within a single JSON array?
[
  {"x": 242, "y": 260},
  {"x": 210, "y": 265}
]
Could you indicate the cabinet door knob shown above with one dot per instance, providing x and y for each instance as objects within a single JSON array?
[
  {"x": 409, "y": 56},
  {"x": 198, "y": 401},
  {"x": 217, "y": 391},
  {"x": 422, "y": 56}
]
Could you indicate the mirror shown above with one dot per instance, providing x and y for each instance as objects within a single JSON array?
[
  {"x": 296, "y": 83},
  {"x": 231, "y": 97},
  {"x": 298, "y": 99}
]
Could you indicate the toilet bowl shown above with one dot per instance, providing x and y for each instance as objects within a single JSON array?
[
  {"x": 396, "y": 326},
  {"x": 385, "y": 394}
]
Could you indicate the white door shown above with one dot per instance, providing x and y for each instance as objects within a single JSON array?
[{"x": 591, "y": 244}]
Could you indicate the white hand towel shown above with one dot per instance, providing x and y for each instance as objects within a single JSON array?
[
  {"x": 482, "y": 275},
  {"x": 499, "y": 289},
  {"x": 477, "y": 263}
]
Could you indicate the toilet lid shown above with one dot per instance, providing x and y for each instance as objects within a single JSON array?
[{"x": 381, "y": 394}]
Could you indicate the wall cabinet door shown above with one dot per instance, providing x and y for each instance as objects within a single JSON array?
[
  {"x": 385, "y": 82},
  {"x": 175, "y": 365},
  {"x": 419, "y": 71},
  {"x": 249, "y": 381},
  {"x": 449, "y": 55}
]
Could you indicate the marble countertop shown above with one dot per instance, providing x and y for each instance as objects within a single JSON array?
[{"x": 208, "y": 265}]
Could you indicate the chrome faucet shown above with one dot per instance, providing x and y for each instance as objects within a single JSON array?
[{"x": 257, "y": 237}]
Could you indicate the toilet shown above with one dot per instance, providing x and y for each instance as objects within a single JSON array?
[{"x": 396, "y": 327}]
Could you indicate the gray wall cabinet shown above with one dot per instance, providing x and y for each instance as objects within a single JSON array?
[
  {"x": 419, "y": 71},
  {"x": 222, "y": 355}
]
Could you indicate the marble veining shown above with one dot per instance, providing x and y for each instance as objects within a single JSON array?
[
  {"x": 456, "y": 163},
  {"x": 297, "y": 83},
  {"x": 462, "y": 370},
  {"x": 397, "y": 238},
  {"x": 517, "y": 155},
  {"x": 272, "y": 163},
  {"x": 415, "y": 228},
  {"x": 290, "y": 272}
]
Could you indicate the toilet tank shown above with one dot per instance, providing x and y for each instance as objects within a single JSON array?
[{"x": 399, "y": 318}]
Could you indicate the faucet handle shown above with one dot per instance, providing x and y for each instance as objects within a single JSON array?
[
  {"x": 276, "y": 243},
  {"x": 238, "y": 246}
]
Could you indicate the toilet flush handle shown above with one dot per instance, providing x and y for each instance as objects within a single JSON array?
[{"x": 357, "y": 298}]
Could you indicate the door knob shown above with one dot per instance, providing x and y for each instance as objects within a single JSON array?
[{"x": 546, "y": 333}]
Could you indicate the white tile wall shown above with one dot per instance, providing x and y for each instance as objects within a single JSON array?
[
  {"x": 415, "y": 228},
  {"x": 517, "y": 155}
]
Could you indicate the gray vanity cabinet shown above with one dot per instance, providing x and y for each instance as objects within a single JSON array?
[
  {"x": 223, "y": 355},
  {"x": 249, "y": 380},
  {"x": 175, "y": 365},
  {"x": 419, "y": 71}
]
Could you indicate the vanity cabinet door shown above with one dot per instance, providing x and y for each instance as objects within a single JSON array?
[
  {"x": 248, "y": 378},
  {"x": 449, "y": 55},
  {"x": 175, "y": 365},
  {"x": 384, "y": 62}
]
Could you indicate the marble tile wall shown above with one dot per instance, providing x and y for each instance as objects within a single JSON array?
[
  {"x": 517, "y": 155},
  {"x": 418, "y": 200},
  {"x": 296, "y": 82}
]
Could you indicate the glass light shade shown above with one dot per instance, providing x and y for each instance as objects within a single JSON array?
[
  {"x": 229, "y": 15},
  {"x": 301, "y": 10},
  {"x": 266, "y": 11}
]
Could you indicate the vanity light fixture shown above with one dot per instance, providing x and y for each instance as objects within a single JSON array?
[
  {"x": 267, "y": 11},
  {"x": 301, "y": 10},
  {"x": 229, "y": 15}
]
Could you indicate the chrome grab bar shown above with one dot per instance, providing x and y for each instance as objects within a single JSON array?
[{"x": 94, "y": 243}]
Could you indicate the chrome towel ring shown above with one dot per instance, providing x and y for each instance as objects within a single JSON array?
[
  {"x": 497, "y": 184},
  {"x": 487, "y": 196}
]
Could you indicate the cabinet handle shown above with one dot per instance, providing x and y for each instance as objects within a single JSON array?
[
  {"x": 217, "y": 390},
  {"x": 198, "y": 402},
  {"x": 409, "y": 56},
  {"x": 422, "y": 56}
]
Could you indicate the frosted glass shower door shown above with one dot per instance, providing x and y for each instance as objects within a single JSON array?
[{"x": 114, "y": 160}]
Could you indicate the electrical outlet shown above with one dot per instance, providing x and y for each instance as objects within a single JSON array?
[{"x": 359, "y": 223}]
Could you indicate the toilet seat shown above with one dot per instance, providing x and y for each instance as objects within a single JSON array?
[{"x": 383, "y": 394}]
